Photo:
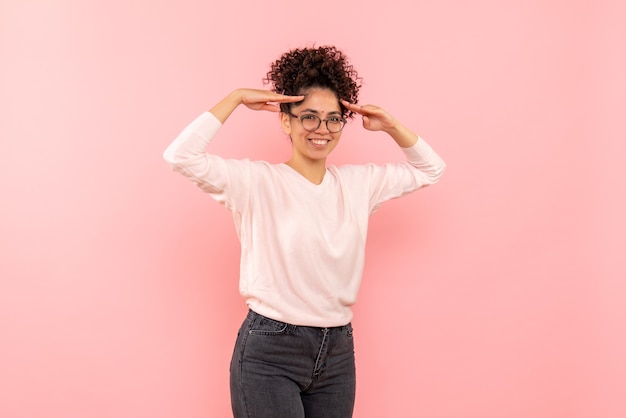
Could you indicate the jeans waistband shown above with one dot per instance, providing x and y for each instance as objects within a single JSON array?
[{"x": 252, "y": 315}]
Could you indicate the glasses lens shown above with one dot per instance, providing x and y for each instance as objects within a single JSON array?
[
  {"x": 334, "y": 124},
  {"x": 310, "y": 122}
]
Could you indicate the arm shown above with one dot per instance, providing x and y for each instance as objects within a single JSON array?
[
  {"x": 187, "y": 153},
  {"x": 224, "y": 180},
  {"x": 418, "y": 152},
  {"x": 253, "y": 99},
  {"x": 377, "y": 119}
]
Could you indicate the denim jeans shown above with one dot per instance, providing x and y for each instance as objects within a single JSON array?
[{"x": 280, "y": 370}]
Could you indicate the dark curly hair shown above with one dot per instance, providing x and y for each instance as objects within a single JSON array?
[{"x": 298, "y": 70}]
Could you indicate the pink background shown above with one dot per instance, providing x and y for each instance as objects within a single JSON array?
[{"x": 500, "y": 292}]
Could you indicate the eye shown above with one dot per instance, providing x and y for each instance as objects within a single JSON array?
[
  {"x": 335, "y": 119},
  {"x": 308, "y": 117}
]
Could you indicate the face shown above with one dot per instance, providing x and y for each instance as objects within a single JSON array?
[{"x": 317, "y": 144}]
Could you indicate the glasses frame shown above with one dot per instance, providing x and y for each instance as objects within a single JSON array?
[{"x": 320, "y": 120}]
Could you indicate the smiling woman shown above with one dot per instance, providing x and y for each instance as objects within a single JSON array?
[
  {"x": 313, "y": 140},
  {"x": 294, "y": 355}
]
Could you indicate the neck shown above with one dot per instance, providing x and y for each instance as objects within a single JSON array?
[{"x": 312, "y": 170}]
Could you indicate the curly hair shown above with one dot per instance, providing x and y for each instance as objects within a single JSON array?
[{"x": 326, "y": 67}]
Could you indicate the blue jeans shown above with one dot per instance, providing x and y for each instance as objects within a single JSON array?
[{"x": 280, "y": 370}]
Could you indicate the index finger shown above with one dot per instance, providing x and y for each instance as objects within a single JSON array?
[
  {"x": 360, "y": 109},
  {"x": 351, "y": 106},
  {"x": 283, "y": 98}
]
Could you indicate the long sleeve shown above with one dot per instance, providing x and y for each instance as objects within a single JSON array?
[
  {"x": 187, "y": 153},
  {"x": 193, "y": 140},
  {"x": 225, "y": 180},
  {"x": 429, "y": 164},
  {"x": 423, "y": 167}
]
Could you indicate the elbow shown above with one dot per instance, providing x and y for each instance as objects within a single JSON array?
[
  {"x": 437, "y": 172},
  {"x": 168, "y": 157},
  {"x": 173, "y": 158},
  {"x": 441, "y": 170},
  {"x": 170, "y": 160}
]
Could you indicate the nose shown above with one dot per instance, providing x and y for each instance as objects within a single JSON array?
[{"x": 322, "y": 128}]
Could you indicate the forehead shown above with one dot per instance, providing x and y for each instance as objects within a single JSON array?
[{"x": 320, "y": 101}]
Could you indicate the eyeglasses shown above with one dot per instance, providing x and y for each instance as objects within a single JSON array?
[{"x": 311, "y": 122}]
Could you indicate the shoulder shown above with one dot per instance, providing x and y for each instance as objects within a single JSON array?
[
  {"x": 354, "y": 170},
  {"x": 355, "y": 175},
  {"x": 262, "y": 171}
]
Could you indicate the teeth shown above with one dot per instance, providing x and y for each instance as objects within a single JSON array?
[{"x": 320, "y": 141}]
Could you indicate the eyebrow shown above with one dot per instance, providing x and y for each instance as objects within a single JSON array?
[{"x": 317, "y": 112}]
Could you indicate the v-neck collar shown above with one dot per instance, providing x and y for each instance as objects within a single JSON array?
[{"x": 302, "y": 179}]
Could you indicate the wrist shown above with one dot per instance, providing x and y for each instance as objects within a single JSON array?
[
  {"x": 393, "y": 129},
  {"x": 404, "y": 137},
  {"x": 236, "y": 97},
  {"x": 227, "y": 105}
]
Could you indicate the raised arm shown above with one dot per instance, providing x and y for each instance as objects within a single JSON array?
[
  {"x": 377, "y": 119},
  {"x": 187, "y": 153},
  {"x": 253, "y": 99},
  {"x": 419, "y": 154},
  {"x": 191, "y": 143}
]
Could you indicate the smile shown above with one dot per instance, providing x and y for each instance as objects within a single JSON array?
[{"x": 320, "y": 141}]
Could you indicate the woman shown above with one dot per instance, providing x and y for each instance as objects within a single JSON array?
[{"x": 302, "y": 227}]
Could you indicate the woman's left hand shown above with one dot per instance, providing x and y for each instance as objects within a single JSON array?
[
  {"x": 377, "y": 119},
  {"x": 374, "y": 117}
]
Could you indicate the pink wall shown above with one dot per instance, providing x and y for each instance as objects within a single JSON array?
[{"x": 498, "y": 293}]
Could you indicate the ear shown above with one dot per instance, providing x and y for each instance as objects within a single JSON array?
[{"x": 285, "y": 122}]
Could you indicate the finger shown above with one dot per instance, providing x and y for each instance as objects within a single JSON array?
[
  {"x": 365, "y": 110},
  {"x": 281, "y": 98},
  {"x": 270, "y": 107},
  {"x": 352, "y": 107},
  {"x": 361, "y": 109}
]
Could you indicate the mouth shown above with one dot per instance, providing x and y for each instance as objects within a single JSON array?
[{"x": 319, "y": 142}]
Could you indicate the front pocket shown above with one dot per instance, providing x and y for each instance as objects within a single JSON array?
[{"x": 266, "y": 326}]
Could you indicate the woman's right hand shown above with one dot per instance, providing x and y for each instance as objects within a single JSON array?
[
  {"x": 253, "y": 99},
  {"x": 265, "y": 99}
]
